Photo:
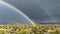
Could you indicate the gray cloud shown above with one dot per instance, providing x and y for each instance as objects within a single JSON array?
[{"x": 38, "y": 9}]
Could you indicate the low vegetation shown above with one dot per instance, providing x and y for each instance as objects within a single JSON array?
[{"x": 30, "y": 29}]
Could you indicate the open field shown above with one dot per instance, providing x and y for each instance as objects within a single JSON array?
[{"x": 30, "y": 29}]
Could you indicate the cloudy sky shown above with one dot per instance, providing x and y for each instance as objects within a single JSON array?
[{"x": 39, "y": 10}]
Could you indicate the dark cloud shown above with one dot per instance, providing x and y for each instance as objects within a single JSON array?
[{"x": 38, "y": 10}]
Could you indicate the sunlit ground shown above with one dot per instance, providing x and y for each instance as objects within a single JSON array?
[{"x": 30, "y": 29}]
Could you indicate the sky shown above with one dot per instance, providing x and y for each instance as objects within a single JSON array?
[{"x": 38, "y": 10}]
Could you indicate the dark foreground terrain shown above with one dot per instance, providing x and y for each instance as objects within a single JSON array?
[{"x": 30, "y": 29}]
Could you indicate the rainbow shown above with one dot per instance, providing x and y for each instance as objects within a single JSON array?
[{"x": 19, "y": 11}]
